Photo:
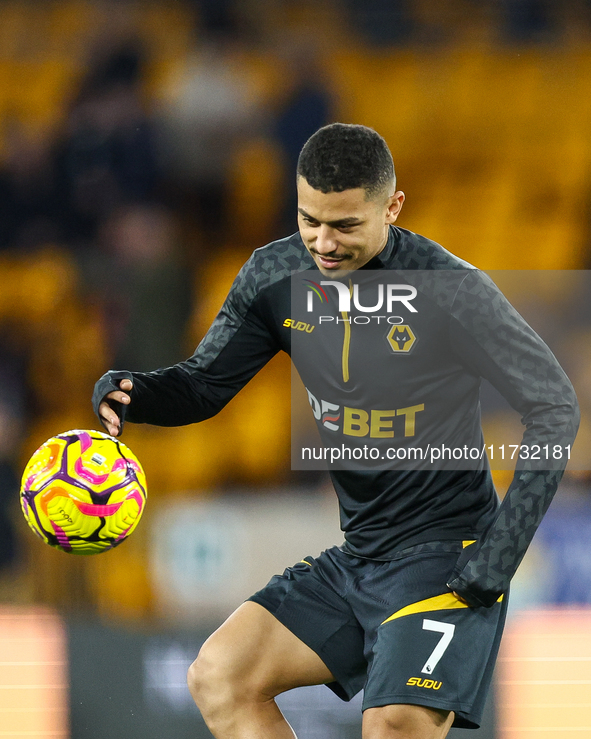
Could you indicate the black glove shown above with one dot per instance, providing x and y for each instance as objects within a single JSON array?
[{"x": 107, "y": 383}]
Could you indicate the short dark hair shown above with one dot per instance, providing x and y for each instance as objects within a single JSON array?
[{"x": 344, "y": 156}]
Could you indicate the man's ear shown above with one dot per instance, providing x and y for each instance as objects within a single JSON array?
[{"x": 395, "y": 203}]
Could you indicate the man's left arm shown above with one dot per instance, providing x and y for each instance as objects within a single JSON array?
[{"x": 499, "y": 345}]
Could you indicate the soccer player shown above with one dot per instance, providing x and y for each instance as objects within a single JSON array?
[{"x": 411, "y": 607}]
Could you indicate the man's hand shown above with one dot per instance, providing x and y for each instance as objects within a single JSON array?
[{"x": 108, "y": 416}]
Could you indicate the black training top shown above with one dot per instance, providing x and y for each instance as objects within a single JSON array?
[{"x": 412, "y": 381}]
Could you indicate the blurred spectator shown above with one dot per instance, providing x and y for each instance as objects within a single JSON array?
[
  {"x": 529, "y": 21},
  {"x": 207, "y": 114},
  {"x": 28, "y": 198},
  {"x": 382, "y": 22},
  {"x": 144, "y": 287},
  {"x": 107, "y": 154},
  {"x": 12, "y": 410},
  {"x": 217, "y": 17},
  {"x": 307, "y": 107}
]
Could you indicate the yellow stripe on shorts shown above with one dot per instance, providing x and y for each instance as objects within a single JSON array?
[
  {"x": 437, "y": 603},
  {"x": 444, "y": 602}
]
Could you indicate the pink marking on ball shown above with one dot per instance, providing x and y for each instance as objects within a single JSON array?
[
  {"x": 121, "y": 536},
  {"x": 122, "y": 462},
  {"x": 137, "y": 496},
  {"x": 90, "y": 509},
  {"x": 62, "y": 537},
  {"x": 85, "y": 441},
  {"x": 88, "y": 475}
]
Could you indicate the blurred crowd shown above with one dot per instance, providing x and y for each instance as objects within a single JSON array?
[
  {"x": 147, "y": 147},
  {"x": 115, "y": 199}
]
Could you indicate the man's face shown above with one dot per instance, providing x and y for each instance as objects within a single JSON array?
[{"x": 344, "y": 230}]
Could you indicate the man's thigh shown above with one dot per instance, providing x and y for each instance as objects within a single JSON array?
[
  {"x": 309, "y": 599},
  {"x": 253, "y": 651}
]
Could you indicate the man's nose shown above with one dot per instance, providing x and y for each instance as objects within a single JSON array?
[{"x": 325, "y": 240}]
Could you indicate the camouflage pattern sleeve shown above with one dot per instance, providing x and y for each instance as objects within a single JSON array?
[
  {"x": 238, "y": 344},
  {"x": 496, "y": 342},
  {"x": 234, "y": 349}
]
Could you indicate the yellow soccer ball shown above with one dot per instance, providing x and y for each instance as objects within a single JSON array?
[{"x": 83, "y": 492}]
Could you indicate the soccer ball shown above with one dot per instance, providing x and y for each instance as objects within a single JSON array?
[{"x": 83, "y": 492}]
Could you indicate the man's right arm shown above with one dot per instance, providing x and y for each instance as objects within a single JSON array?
[{"x": 238, "y": 344}]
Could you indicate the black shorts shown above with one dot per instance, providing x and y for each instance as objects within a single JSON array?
[{"x": 392, "y": 627}]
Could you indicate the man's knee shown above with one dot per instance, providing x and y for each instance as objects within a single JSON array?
[
  {"x": 209, "y": 680},
  {"x": 217, "y": 679},
  {"x": 202, "y": 676},
  {"x": 402, "y": 721}
]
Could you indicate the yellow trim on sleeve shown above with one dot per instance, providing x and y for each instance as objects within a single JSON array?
[
  {"x": 306, "y": 563},
  {"x": 467, "y": 543}
]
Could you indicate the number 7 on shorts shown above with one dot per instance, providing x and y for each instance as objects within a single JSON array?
[{"x": 447, "y": 632}]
